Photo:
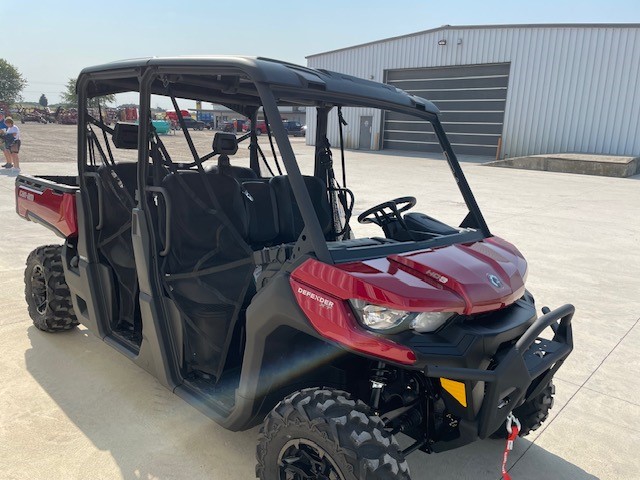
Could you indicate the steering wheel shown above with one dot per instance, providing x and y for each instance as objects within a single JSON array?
[{"x": 380, "y": 217}]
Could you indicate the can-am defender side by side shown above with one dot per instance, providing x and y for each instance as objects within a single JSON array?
[{"x": 244, "y": 290}]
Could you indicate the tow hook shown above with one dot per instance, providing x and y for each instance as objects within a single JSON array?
[{"x": 513, "y": 429}]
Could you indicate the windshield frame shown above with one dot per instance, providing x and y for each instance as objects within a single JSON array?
[{"x": 474, "y": 225}]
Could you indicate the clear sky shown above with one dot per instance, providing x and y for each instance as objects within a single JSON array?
[{"x": 54, "y": 40}]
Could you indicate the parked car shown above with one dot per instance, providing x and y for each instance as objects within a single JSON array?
[
  {"x": 295, "y": 128},
  {"x": 195, "y": 124},
  {"x": 261, "y": 127},
  {"x": 226, "y": 126}
]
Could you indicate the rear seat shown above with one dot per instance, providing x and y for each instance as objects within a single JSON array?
[
  {"x": 193, "y": 232},
  {"x": 209, "y": 267},
  {"x": 126, "y": 172},
  {"x": 262, "y": 212},
  {"x": 271, "y": 214},
  {"x": 114, "y": 238},
  {"x": 235, "y": 171}
]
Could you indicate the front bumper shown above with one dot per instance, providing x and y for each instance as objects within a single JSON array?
[{"x": 520, "y": 373}]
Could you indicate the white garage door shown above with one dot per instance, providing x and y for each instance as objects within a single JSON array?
[{"x": 471, "y": 99}]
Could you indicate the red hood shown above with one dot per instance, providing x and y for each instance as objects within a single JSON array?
[{"x": 469, "y": 278}]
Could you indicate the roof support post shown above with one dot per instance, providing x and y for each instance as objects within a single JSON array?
[{"x": 311, "y": 223}]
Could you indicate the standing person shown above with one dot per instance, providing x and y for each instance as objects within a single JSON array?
[
  {"x": 5, "y": 152},
  {"x": 12, "y": 143}
]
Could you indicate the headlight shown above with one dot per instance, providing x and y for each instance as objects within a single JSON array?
[
  {"x": 379, "y": 318},
  {"x": 425, "y": 322}
]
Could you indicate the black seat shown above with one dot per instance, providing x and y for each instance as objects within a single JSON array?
[
  {"x": 262, "y": 213},
  {"x": 234, "y": 171},
  {"x": 120, "y": 175},
  {"x": 195, "y": 220},
  {"x": 114, "y": 238},
  {"x": 118, "y": 190},
  {"x": 290, "y": 222},
  {"x": 209, "y": 266}
]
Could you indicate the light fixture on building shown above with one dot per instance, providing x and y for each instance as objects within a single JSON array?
[{"x": 442, "y": 42}]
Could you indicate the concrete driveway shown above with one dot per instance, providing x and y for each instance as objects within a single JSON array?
[{"x": 71, "y": 407}]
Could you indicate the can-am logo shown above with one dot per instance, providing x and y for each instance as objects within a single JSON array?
[
  {"x": 26, "y": 195},
  {"x": 436, "y": 276},
  {"x": 324, "y": 302},
  {"x": 495, "y": 281}
]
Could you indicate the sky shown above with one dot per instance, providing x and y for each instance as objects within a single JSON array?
[{"x": 57, "y": 39}]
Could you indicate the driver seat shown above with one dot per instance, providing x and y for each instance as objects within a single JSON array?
[{"x": 290, "y": 221}]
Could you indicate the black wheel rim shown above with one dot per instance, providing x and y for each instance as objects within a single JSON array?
[
  {"x": 39, "y": 289},
  {"x": 302, "y": 459}
]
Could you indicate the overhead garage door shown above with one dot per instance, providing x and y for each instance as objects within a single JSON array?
[{"x": 471, "y": 99}]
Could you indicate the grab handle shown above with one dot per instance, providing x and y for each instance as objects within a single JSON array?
[
  {"x": 167, "y": 207},
  {"x": 100, "y": 197}
]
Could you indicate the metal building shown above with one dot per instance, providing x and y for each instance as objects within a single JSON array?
[{"x": 523, "y": 89}]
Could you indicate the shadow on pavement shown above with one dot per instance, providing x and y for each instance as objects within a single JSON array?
[
  {"x": 151, "y": 433},
  {"x": 148, "y": 431}
]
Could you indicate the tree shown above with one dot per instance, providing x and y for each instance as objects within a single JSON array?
[
  {"x": 43, "y": 101},
  {"x": 11, "y": 82},
  {"x": 70, "y": 96}
]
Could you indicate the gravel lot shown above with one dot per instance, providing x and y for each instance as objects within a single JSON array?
[
  {"x": 73, "y": 408},
  {"x": 57, "y": 143}
]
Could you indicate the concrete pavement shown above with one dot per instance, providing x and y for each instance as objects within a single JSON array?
[{"x": 73, "y": 408}]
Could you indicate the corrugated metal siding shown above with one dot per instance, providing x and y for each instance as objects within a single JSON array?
[{"x": 570, "y": 89}]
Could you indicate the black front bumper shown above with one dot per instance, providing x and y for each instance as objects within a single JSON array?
[{"x": 520, "y": 373}]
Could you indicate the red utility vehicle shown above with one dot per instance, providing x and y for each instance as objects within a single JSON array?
[{"x": 241, "y": 285}]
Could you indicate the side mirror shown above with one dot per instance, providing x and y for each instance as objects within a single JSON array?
[{"x": 125, "y": 135}]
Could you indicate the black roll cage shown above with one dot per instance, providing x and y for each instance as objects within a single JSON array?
[{"x": 190, "y": 79}]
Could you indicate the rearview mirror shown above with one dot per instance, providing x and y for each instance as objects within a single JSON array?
[
  {"x": 125, "y": 135},
  {"x": 225, "y": 143}
]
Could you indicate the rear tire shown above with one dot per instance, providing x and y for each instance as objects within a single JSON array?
[
  {"x": 532, "y": 413},
  {"x": 46, "y": 291},
  {"x": 324, "y": 433}
]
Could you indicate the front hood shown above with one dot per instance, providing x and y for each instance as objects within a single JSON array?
[{"x": 467, "y": 279}]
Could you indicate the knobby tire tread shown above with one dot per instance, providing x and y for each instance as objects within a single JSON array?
[
  {"x": 358, "y": 437},
  {"x": 59, "y": 314}
]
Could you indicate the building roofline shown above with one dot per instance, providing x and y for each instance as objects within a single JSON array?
[{"x": 480, "y": 27}]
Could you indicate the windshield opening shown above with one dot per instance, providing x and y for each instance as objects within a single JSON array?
[{"x": 400, "y": 201}]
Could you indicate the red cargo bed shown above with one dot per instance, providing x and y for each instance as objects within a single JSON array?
[{"x": 50, "y": 201}]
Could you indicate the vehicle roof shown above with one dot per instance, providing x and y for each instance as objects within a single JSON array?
[{"x": 296, "y": 80}]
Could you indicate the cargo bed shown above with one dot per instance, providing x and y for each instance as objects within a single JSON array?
[{"x": 49, "y": 200}]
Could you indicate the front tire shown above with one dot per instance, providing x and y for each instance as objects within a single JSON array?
[
  {"x": 323, "y": 433},
  {"x": 46, "y": 291}
]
